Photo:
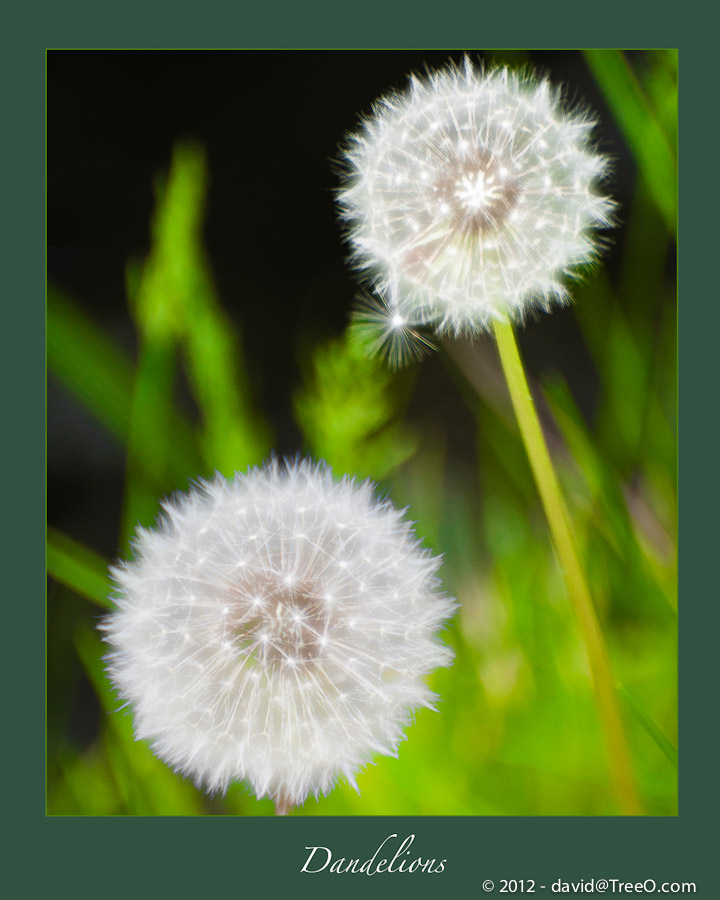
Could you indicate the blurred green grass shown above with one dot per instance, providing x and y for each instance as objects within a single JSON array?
[{"x": 517, "y": 732}]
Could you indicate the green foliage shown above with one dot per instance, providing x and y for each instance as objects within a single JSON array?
[
  {"x": 176, "y": 298},
  {"x": 640, "y": 125},
  {"x": 347, "y": 410},
  {"x": 78, "y": 568},
  {"x": 518, "y": 731},
  {"x": 175, "y": 308},
  {"x": 89, "y": 364}
]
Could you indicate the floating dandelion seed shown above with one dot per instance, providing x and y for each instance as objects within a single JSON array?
[
  {"x": 387, "y": 333},
  {"x": 470, "y": 198},
  {"x": 278, "y": 629}
]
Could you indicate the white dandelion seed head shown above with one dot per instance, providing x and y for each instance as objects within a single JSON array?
[
  {"x": 276, "y": 629},
  {"x": 472, "y": 196}
]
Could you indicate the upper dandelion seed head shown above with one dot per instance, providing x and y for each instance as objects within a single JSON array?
[
  {"x": 471, "y": 196},
  {"x": 276, "y": 629}
]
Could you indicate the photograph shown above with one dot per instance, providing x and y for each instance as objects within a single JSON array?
[{"x": 362, "y": 430}]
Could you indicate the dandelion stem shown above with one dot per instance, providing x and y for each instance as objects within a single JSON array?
[{"x": 567, "y": 553}]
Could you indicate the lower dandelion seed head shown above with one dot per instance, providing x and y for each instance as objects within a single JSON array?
[
  {"x": 295, "y": 668},
  {"x": 471, "y": 197}
]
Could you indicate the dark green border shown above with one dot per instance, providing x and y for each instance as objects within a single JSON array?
[{"x": 207, "y": 857}]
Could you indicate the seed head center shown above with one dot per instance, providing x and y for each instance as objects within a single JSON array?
[
  {"x": 281, "y": 621},
  {"x": 476, "y": 194},
  {"x": 477, "y": 190}
]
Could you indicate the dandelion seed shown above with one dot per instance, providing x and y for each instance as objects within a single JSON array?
[
  {"x": 470, "y": 198},
  {"x": 387, "y": 333},
  {"x": 279, "y": 681}
]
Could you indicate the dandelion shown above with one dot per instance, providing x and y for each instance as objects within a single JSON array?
[
  {"x": 469, "y": 200},
  {"x": 471, "y": 197},
  {"x": 276, "y": 629}
]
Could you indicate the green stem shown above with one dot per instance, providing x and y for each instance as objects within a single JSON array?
[
  {"x": 562, "y": 536},
  {"x": 283, "y": 807}
]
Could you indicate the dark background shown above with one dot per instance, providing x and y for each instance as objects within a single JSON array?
[{"x": 271, "y": 123}]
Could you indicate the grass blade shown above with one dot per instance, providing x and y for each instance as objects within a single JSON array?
[
  {"x": 176, "y": 302},
  {"x": 100, "y": 375},
  {"x": 663, "y": 744},
  {"x": 641, "y": 129},
  {"x": 88, "y": 363},
  {"x": 78, "y": 568}
]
